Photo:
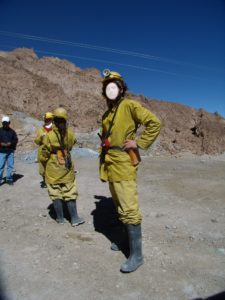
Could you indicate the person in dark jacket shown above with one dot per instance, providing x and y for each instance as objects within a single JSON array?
[{"x": 8, "y": 142}]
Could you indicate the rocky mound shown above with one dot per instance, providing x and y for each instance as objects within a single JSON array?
[{"x": 33, "y": 85}]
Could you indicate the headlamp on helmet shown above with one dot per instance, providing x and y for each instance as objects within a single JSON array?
[{"x": 111, "y": 75}]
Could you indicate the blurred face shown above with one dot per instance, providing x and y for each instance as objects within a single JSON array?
[
  {"x": 112, "y": 91},
  {"x": 5, "y": 124},
  {"x": 48, "y": 121}
]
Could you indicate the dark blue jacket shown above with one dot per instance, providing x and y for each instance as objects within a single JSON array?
[{"x": 8, "y": 135}]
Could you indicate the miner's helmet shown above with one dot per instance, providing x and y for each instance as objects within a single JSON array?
[
  {"x": 111, "y": 76},
  {"x": 48, "y": 115},
  {"x": 60, "y": 112}
]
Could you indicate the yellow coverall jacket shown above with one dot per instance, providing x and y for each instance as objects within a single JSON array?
[
  {"x": 56, "y": 173},
  {"x": 116, "y": 166},
  {"x": 130, "y": 114},
  {"x": 38, "y": 141}
]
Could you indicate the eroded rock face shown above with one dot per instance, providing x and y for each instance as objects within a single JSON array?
[
  {"x": 33, "y": 86},
  {"x": 187, "y": 129}
]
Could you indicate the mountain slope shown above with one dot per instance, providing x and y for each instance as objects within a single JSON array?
[{"x": 33, "y": 86}]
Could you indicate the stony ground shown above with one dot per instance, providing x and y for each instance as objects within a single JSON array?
[{"x": 183, "y": 205}]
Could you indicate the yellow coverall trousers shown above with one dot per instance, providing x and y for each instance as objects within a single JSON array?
[
  {"x": 125, "y": 197},
  {"x": 64, "y": 191}
]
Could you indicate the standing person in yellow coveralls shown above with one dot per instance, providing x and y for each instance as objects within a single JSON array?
[
  {"x": 59, "y": 167},
  {"x": 39, "y": 140},
  {"x": 119, "y": 158}
]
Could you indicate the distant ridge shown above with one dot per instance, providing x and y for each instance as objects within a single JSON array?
[{"x": 35, "y": 85}]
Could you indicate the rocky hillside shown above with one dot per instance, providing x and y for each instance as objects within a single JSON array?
[{"x": 33, "y": 86}]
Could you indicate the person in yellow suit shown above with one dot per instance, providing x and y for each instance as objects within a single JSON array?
[
  {"x": 39, "y": 140},
  {"x": 59, "y": 167},
  {"x": 119, "y": 158}
]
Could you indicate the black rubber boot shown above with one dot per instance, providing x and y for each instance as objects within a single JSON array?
[
  {"x": 42, "y": 183},
  {"x": 58, "y": 206},
  {"x": 72, "y": 208},
  {"x": 135, "y": 259}
]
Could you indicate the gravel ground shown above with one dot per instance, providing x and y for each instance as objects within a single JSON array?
[{"x": 183, "y": 205}]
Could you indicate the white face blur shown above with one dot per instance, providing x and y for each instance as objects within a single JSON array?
[{"x": 112, "y": 91}]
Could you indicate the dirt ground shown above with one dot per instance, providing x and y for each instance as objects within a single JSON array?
[{"x": 183, "y": 206}]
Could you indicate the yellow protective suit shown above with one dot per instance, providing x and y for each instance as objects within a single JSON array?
[
  {"x": 116, "y": 166},
  {"x": 125, "y": 197},
  {"x": 130, "y": 114},
  {"x": 66, "y": 191},
  {"x": 56, "y": 173},
  {"x": 38, "y": 141}
]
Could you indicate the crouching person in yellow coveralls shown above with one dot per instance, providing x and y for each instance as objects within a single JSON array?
[
  {"x": 59, "y": 168},
  {"x": 119, "y": 158},
  {"x": 47, "y": 126}
]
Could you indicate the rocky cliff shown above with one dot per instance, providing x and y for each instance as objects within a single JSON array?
[{"x": 33, "y": 85}]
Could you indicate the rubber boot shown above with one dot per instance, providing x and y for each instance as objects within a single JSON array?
[
  {"x": 42, "y": 183},
  {"x": 135, "y": 259},
  {"x": 72, "y": 208},
  {"x": 58, "y": 206}
]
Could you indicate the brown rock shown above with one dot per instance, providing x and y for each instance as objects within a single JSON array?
[{"x": 33, "y": 86}]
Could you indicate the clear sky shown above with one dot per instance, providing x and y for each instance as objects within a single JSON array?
[{"x": 171, "y": 50}]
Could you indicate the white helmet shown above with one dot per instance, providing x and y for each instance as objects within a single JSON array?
[{"x": 5, "y": 119}]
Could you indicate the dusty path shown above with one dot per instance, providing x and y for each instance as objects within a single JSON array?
[{"x": 183, "y": 205}]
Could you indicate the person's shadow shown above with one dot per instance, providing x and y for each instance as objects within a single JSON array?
[
  {"x": 16, "y": 177},
  {"x": 105, "y": 220},
  {"x": 220, "y": 296}
]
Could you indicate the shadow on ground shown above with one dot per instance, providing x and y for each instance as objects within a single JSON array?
[
  {"x": 220, "y": 296},
  {"x": 2, "y": 289},
  {"x": 16, "y": 177},
  {"x": 105, "y": 220}
]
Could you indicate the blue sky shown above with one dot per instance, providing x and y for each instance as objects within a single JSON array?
[{"x": 171, "y": 50}]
